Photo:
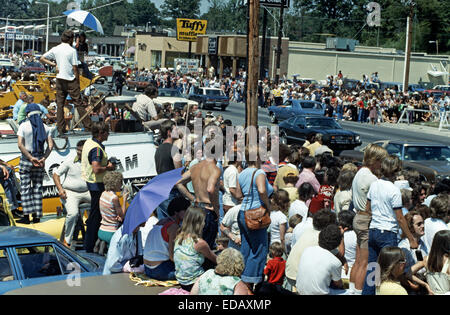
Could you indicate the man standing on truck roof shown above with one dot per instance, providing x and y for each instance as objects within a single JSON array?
[{"x": 67, "y": 79}]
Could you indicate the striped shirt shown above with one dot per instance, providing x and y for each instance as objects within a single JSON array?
[{"x": 109, "y": 213}]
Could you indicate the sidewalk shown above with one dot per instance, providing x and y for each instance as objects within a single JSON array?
[{"x": 417, "y": 127}]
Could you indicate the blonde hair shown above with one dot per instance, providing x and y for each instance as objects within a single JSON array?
[
  {"x": 113, "y": 181},
  {"x": 193, "y": 223},
  {"x": 374, "y": 153},
  {"x": 230, "y": 262}
]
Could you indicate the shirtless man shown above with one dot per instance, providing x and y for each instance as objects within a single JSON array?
[{"x": 205, "y": 180}]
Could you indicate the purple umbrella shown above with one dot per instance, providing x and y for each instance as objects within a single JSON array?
[{"x": 149, "y": 198}]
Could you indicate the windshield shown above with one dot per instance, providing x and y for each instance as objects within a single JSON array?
[
  {"x": 422, "y": 153},
  {"x": 322, "y": 123},
  {"x": 214, "y": 92},
  {"x": 169, "y": 93}
]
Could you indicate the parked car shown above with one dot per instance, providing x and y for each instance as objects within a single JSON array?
[
  {"x": 30, "y": 257},
  {"x": 305, "y": 82},
  {"x": 430, "y": 159},
  {"x": 174, "y": 97},
  {"x": 138, "y": 83},
  {"x": 297, "y": 129},
  {"x": 295, "y": 107},
  {"x": 208, "y": 98},
  {"x": 33, "y": 67},
  {"x": 445, "y": 88}
]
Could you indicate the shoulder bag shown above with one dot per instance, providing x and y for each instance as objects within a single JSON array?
[{"x": 257, "y": 218}]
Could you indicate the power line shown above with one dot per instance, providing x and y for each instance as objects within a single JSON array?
[{"x": 60, "y": 16}]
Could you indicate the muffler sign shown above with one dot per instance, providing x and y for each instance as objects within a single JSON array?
[{"x": 188, "y": 29}]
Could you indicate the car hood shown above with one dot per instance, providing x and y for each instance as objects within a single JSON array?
[
  {"x": 167, "y": 99},
  {"x": 337, "y": 132},
  {"x": 441, "y": 167}
]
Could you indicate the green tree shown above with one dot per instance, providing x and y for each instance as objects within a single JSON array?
[
  {"x": 143, "y": 11},
  {"x": 173, "y": 9}
]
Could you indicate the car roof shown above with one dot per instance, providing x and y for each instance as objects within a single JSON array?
[
  {"x": 417, "y": 143},
  {"x": 14, "y": 235},
  {"x": 313, "y": 116}
]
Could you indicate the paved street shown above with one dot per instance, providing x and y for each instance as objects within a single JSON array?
[{"x": 236, "y": 113}]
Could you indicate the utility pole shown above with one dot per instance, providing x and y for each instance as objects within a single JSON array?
[
  {"x": 280, "y": 34},
  {"x": 263, "y": 46},
  {"x": 252, "y": 63},
  {"x": 408, "y": 46}
]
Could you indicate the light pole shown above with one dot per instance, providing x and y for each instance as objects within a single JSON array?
[
  {"x": 48, "y": 19},
  {"x": 6, "y": 30},
  {"x": 437, "y": 45},
  {"x": 34, "y": 29}
]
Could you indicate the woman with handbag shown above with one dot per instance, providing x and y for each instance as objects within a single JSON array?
[{"x": 254, "y": 218}]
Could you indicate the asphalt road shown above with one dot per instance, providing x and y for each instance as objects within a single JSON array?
[{"x": 236, "y": 113}]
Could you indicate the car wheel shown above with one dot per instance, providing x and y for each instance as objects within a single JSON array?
[
  {"x": 283, "y": 138},
  {"x": 223, "y": 108},
  {"x": 273, "y": 118}
]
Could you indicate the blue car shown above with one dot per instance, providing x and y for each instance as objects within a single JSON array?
[
  {"x": 30, "y": 257},
  {"x": 295, "y": 107},
  {"x": 209, "y": 98}
]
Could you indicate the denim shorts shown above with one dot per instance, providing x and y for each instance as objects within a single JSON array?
[
  {"x": 163, "y": 272},
  {"x": 254, "y": 248}
]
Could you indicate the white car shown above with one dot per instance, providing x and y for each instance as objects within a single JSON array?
[{"x": 174, "y": 97}]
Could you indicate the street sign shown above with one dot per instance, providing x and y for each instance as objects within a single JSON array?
[
  {"x": 188, "y": 29},
  {"x": 212, "y": 45},
  {"x": 275, "y": 3}
]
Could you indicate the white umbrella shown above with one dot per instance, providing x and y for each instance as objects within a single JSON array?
[{"x": 86, "y": 18}]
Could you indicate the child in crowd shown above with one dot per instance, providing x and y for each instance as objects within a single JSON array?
[
  {"x": 276, "y": 265},
  {"x": 343, "y": 196},
  {"x": 293, "y": 221},
  {"x": 278, "y": 225}
]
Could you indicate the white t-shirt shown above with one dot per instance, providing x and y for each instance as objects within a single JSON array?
[
  {"x": 309, "y": 238},
  {"x": 360, "y": 187},
  {"x": 350, "y": 247},
  {"x": 277, "y": 219},
  {"x": 298, "y": 207},
  {"x": 230, "y": 220},
  {"x": 384, "y": 197},
  {"x": 300, "y": 229},
  {"x": 230, "y": 177},
  {"x": 26, "y": 132},
  {"x": 147, "y": 228},
  {"x": 316, "y": 269},
  {"x": 342, "y": 200},
  {"x": 66, "y": 57},
  {"x": 431, "y": 227}
]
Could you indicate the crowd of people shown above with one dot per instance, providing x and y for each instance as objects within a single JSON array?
[{"x": 336, "y": 226}]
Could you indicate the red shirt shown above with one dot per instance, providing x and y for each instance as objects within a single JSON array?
[
  {"x": 325, "y": 195},
  {"x": 275, "y": 270}
]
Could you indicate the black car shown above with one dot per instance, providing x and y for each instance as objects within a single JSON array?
[
  {"x": 298, "y": 128},
  {"x": 210, "y": 98}
]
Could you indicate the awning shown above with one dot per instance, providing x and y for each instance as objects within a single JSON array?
[{"x": 131, "y": 50}]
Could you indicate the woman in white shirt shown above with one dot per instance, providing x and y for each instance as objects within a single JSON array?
[
  {"x": 439, "y": 217},
  {"x": 384, "y": 201},
  {"x": 278, "y": 225}
]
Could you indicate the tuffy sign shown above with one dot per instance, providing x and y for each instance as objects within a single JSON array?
[{"x": 188, "y": 29}]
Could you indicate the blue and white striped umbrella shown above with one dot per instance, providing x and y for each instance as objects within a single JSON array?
[{"x": 86, "y": 18}]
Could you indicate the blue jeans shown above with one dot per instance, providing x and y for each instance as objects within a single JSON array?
[
  {"x": 377, "y": 240},
  {"x": 254, "y": 248},
  {"x": 339, "y": 111},
  {"x": 165, "y": 271},
  {"x": 211, "y": 228},
  {"x": 10, "y": 188}
]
